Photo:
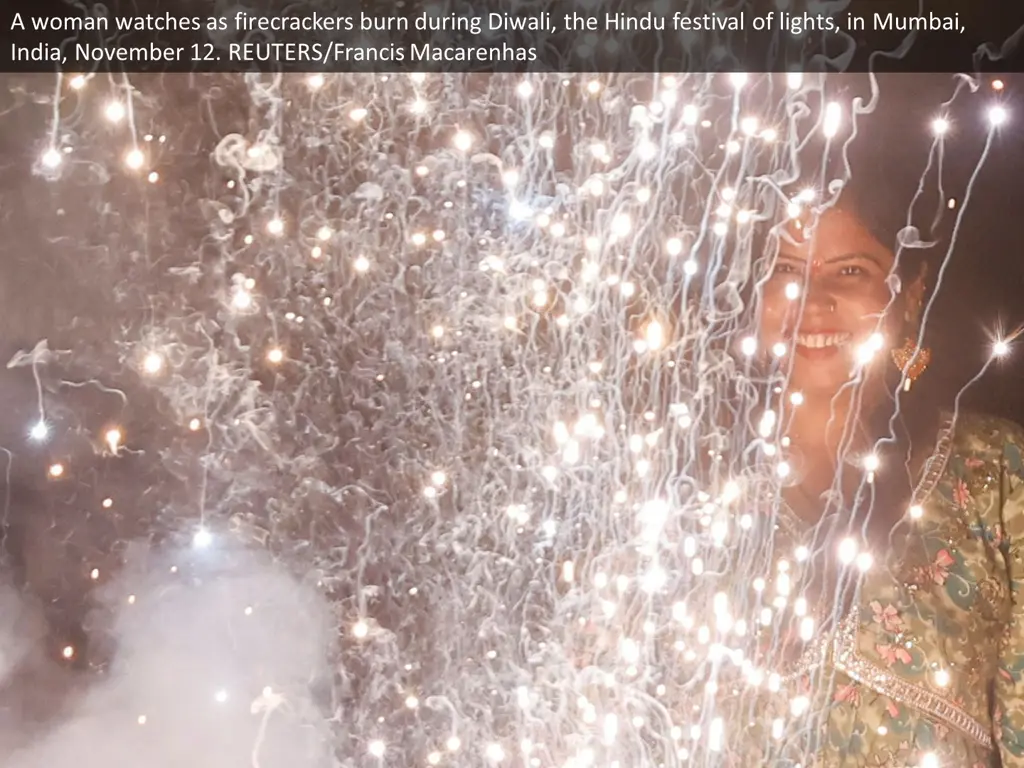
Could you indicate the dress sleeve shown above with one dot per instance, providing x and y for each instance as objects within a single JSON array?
[{"x": 1006, "y": 525}]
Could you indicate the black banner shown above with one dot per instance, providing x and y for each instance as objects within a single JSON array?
[{"x": 514, "y": 36}]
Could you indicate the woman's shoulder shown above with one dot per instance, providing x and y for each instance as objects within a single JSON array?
[{"x": 981, "y": 437}]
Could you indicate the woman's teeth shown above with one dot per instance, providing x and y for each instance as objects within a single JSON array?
[{"x": 822, "y": 340}]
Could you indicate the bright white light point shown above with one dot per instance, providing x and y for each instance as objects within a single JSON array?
[
  {"x": 453, "y": 744},
  {"x": 361, "y": 264},
  {"x": 793, "y": 210},
  {"x": 134, "y": 159},
  {"x": 221, "y": 696},
  {"x": 654, "y": 335},
  {"x": 438, "y": 478},
  {"x": 749, "y": 125},
  {"x": 997, "y": 115},
  {"x": 68, "y": 652},
  {"x": 833, "y": 115},
  {"x": 276, "y": 355},
  {"x": 152, "y": 363},
  {"x": 690, "y": 114},
  {"x": 769, "y": 134},
  {"x": 241, "y": 299},
  {"x": 593, "y": 86},
  {"x": 315, "y": 81},
  {"x": 113, "y": 438},
  {"x": 795, "y": 79},
  {"x": 324, "y": 233},
  {"x": 1000, "y": 348},
  {"x": 357, "y": 114},
  {"x": 690, "y": 267},
  {"x": 524, "y": 89},
  {"x": 865, "y": 561},
  {"x": 720, "y": 228},
  {"x": 462, "y": 141},
  {"x": 783, "y": 469},
  {"x": 202, "y": 538},
  {"x": 738, "y": 79},
  {"x": 52, "y": 158},
  {"x": 94, "y": 574},
  {"x": 495, "y": 753},
  {"x": 141, "y": 720},
  {"x": 674, "y": 246},
  {"x": 779, "y": 349},
  {"x": 107, "y": 503},
  {"x": 275, "y": 226},
  {"x": 871, "y": 463},
  {"x": 376, "y": 748},
  {"x": 799, "y": 705},
  {"x": 942, "y": 678},
  {"x": 114, "y": 111},
  {"x": 847, "y": 551},
  {"x": 797, "y": 398},
  {"x": 748, "y": 346},
  {"x": 360, "y": 629},
  {"x": 39, "y": 430},
  {"x": 929, "y": 760},
  {"x": 792, "y": 291},
  {"x": 412, "y": 702},
  {"x": 621, "y": 225},
  {"x": 78, "y": 81},
  {"x": 940, "y": 126}
]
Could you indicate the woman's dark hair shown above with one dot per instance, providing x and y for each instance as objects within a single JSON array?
[{"x": 910, "y": 216}]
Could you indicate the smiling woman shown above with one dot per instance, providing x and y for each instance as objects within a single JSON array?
[
  {"x": 849, "y": 311},
  {"x": 926, "y": 646}
]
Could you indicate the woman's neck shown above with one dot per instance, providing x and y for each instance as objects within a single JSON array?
[
  {"x": 824, "y": 424},
  {"x": 821, "y": 431}
]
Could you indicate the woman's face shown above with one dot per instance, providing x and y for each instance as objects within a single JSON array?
[{"x": 828, "y": 321}]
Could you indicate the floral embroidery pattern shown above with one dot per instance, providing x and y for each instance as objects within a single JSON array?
[
  {"x": 888, "y": 616},
  {"x": 891, "y": 654},
  {"x": 961, "y": 494},
  {"x": 938, "y": 571},
  {"x": 939, "y": 627}
]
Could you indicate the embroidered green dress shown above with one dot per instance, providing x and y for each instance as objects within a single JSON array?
[{"x": 927, "y": 667}]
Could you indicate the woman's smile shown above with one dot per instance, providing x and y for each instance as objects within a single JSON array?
[{"x": 822, "y": 344}]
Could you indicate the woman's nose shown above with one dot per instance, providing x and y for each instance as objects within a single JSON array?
[{"x": 820, "y": 297}]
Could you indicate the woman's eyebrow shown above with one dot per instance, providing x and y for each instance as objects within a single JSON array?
[{"x": 859, "y": 255}]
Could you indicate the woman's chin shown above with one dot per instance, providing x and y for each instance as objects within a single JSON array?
[{"x": 820, "y": 374}]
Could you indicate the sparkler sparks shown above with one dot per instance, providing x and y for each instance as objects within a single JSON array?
[{"x": 563, "y": 329}]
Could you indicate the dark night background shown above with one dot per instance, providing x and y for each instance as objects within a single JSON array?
[{"x": 48, "y": 291}]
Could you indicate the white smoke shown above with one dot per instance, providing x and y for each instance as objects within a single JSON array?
[{"x": 217, "y": 654}]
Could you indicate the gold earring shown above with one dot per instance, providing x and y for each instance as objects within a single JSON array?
[{"x": 911, "y": 360}]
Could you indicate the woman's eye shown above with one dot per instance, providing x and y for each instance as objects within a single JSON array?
[
  {"x": 851, "y": 270},
  {"x": 784, "y": 269}
]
